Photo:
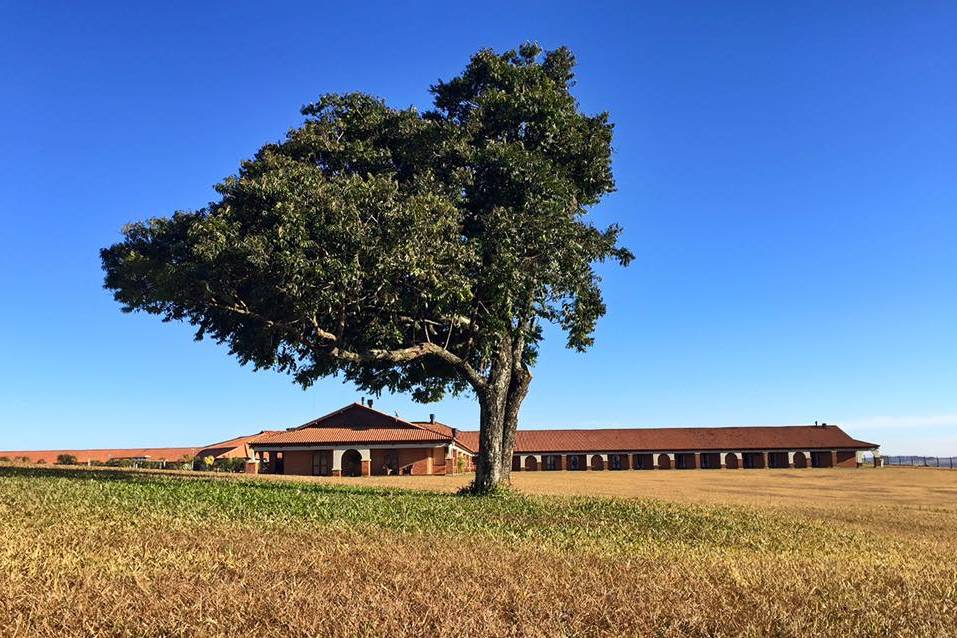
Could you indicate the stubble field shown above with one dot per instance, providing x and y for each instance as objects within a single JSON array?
[{"x": 776, "y": 553}]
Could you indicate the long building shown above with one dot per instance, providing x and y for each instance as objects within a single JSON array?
[{"x": 358, "y": 440}]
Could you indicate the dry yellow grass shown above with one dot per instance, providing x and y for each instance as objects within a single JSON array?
[
  {"x": 897, "y": 486},
  {"x": 915, "y": 502},
  {"x": 136, "y": 554}
]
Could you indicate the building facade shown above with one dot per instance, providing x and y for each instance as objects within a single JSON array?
[{"x": 360, "y": 441}]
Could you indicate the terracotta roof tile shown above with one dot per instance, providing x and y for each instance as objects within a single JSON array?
[
  {"x": 435, "y": 426},
  {"x": 234, "y": 448},
  {"x": 342, "y": 435},
  {"x": 357, "y": 423},
  {"x": 672, "y": 439}
]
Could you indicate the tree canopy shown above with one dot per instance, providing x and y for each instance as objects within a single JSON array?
[{"x": 411, "y": 251}]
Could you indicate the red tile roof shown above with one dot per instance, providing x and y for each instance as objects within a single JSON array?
[
  {"x": 435, "y": 426},
  {"x": 357, "y": 423},
  {"x": 677, "y": 439},
  {"x": 175, "y": 454},
  {"x": 235, "y": 448},
  {"x": 345, "y": 435}
]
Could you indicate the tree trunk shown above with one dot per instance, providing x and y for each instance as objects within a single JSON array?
[
  {"x": 517, "y": 391},
  {"x": 499, "y": 406},
  {"x": 488, "y": 470}
]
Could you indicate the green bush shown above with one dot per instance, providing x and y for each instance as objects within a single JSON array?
[
  {"x": 231, "y": 465},
  {"x": 65, "y": 459}
]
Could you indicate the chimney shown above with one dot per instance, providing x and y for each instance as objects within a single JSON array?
[
  {"x": 362, "y": 401},
  {"x": 454, "y": 433},
  {"x": 369, "y": 403},
  {"x": 431, "y": 418}
]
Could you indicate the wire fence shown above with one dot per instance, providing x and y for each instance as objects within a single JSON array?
[{"x": 943, "y": 462}]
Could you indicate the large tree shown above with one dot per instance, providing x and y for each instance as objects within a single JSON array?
[{"x": 414, "y": 252}]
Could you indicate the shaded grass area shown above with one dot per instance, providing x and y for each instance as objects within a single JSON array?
[{"x": 96, "y": 552}]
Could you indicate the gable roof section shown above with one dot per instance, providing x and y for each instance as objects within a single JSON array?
[
  {"x": 360, "y": 414},
  {"x": 677, "y": 439},
  {"x": 435, "y": 426},
  {"x": 237, "y": 447},
  {"x": 356, "y": 423}
]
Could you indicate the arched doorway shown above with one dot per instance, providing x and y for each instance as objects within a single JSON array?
[
  {"x": 597, "y": 463},
  {"x": 664, "y": 462},
  {"x": 531, "y": 464},
  {"x": 800, "y": 460},
  {"x": 731, "y": 461},
  {"x": 351, "y": 463}
]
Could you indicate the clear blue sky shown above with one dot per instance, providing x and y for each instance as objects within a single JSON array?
[{"x": 786, "y": 176}]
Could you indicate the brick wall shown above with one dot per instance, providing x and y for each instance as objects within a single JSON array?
[
  {"x": 297, "y": 462},
  {"x": 846, "y": 459},
  {"x": 419, "y": 460}
]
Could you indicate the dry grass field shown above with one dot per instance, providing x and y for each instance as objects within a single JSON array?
[{"x": 754, "y": 553}]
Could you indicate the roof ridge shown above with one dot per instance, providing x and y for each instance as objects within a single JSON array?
[
  {"x": 238, "y": 439},
  {"x": 599, "y": 428},
  {"x": 364, "y": 407},
  {"x": 425, "y": 426}
]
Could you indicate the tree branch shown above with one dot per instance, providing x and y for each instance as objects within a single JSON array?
[
  {"x": 243, "y": 310},
  {"x": 406, "y": 355}
]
